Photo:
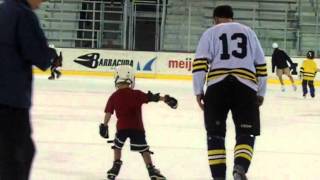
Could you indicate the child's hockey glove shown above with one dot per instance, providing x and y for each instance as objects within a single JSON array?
[
  {"x": 103, "y": 130},
  {"x": 171, "y": 101}
]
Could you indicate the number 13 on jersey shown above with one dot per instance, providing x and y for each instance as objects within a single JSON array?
[{"x": 240, "y": 51}]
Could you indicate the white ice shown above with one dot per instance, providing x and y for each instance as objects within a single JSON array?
[{"x": 66, "y": 114}]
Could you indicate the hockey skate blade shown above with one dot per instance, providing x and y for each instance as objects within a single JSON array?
[
  {"x": 157, "y": 178},
  {"x": 111, "y": 177},
  {"x": 115, "y": 178}
]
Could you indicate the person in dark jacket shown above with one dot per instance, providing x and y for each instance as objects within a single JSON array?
[
  {"x": 22, "y": 45},
  {"x": 279, "y": 61}
]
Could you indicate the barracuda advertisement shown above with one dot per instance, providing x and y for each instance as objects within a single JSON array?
[{"x": 106, "y": 61}]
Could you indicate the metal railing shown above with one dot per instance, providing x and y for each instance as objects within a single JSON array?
[{"x": 177, "y": 26}]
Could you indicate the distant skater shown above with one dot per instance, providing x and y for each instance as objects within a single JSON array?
[
  {"x": 308, "y": 72},
  {"x": 55, "y": 73},
  {"x": 279, "y": 61}
]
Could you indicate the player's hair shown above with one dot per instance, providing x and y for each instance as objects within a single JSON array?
[{"x": 223, "y": 11}]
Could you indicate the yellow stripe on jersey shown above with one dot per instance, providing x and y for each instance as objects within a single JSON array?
[
  {"x": 261, "y": 70},
  {"x": 246, "y": 77},
  {"x": 199, "y": 61},
  {"x": 200, "y": 65},
  {"x": 200, "y": 68},
  {"x": 261, "y": 66},
  {"x": 217, "y": 161},
  {"x": 240, "y": 72},
  {"x": 308, "y": 69},
  {"x": 301, "y": 70},
  {"x": 261, "y": 73},
  {"x": 309, "y": 74}
]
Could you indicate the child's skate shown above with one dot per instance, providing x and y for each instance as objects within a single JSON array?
[
  {"x": 155, "y": 174},
  {"x": 114, "y": 171}
]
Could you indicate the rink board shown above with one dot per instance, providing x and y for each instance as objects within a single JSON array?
[{"x": 156, "y": 65}]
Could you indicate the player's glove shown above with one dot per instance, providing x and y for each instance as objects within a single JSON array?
[
  {"x": 171, "y": 101},
  {"x": 153, "y": 97},
  {"x": 103, "y": 130},
  {"x": 260, "y": 100},
  {"x": 293, "y": 68}
]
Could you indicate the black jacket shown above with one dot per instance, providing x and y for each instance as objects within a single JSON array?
[
  {"x": 22, "y": 44},
  {"x": 279, "y": 59}
]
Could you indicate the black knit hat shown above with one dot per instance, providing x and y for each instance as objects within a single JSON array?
[{"x": 223, "y": 11}]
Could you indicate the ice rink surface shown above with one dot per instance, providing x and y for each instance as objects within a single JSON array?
[{"x": 66, "y": 114}]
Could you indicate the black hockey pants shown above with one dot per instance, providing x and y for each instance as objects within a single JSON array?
[{"x": 16, "y": 146}]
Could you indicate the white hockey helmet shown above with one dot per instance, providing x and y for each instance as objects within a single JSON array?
[
  {"x": 275, "y": 45},
  {"x": 124, "y": 74},
  {"x": 51, "y": 46}
]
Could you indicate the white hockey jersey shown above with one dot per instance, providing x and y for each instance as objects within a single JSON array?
[{"x": 229, "y": 49}]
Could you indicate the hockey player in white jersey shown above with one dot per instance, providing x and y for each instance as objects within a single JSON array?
[{"x": 230, "y": 58}]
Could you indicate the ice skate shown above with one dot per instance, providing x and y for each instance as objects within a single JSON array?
[
  {"x": 239, "y": 173},
  {"x": 238, "y": 176},
  {"x": 155, "y": 174},
  {"x": 51, "y": 78},
  {"x": 294, "y": 87},
  {"x": 283, "y": 89},
  {"x": 111, "y": 177},
  {"x": 114, "y": 171},
  {"x": 58, "y": 74}
]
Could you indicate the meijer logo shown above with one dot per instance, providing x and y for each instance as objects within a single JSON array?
[{"x": 181, "y": 64}]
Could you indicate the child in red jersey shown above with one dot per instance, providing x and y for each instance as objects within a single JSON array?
[{"x": 127, "y": 103}]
